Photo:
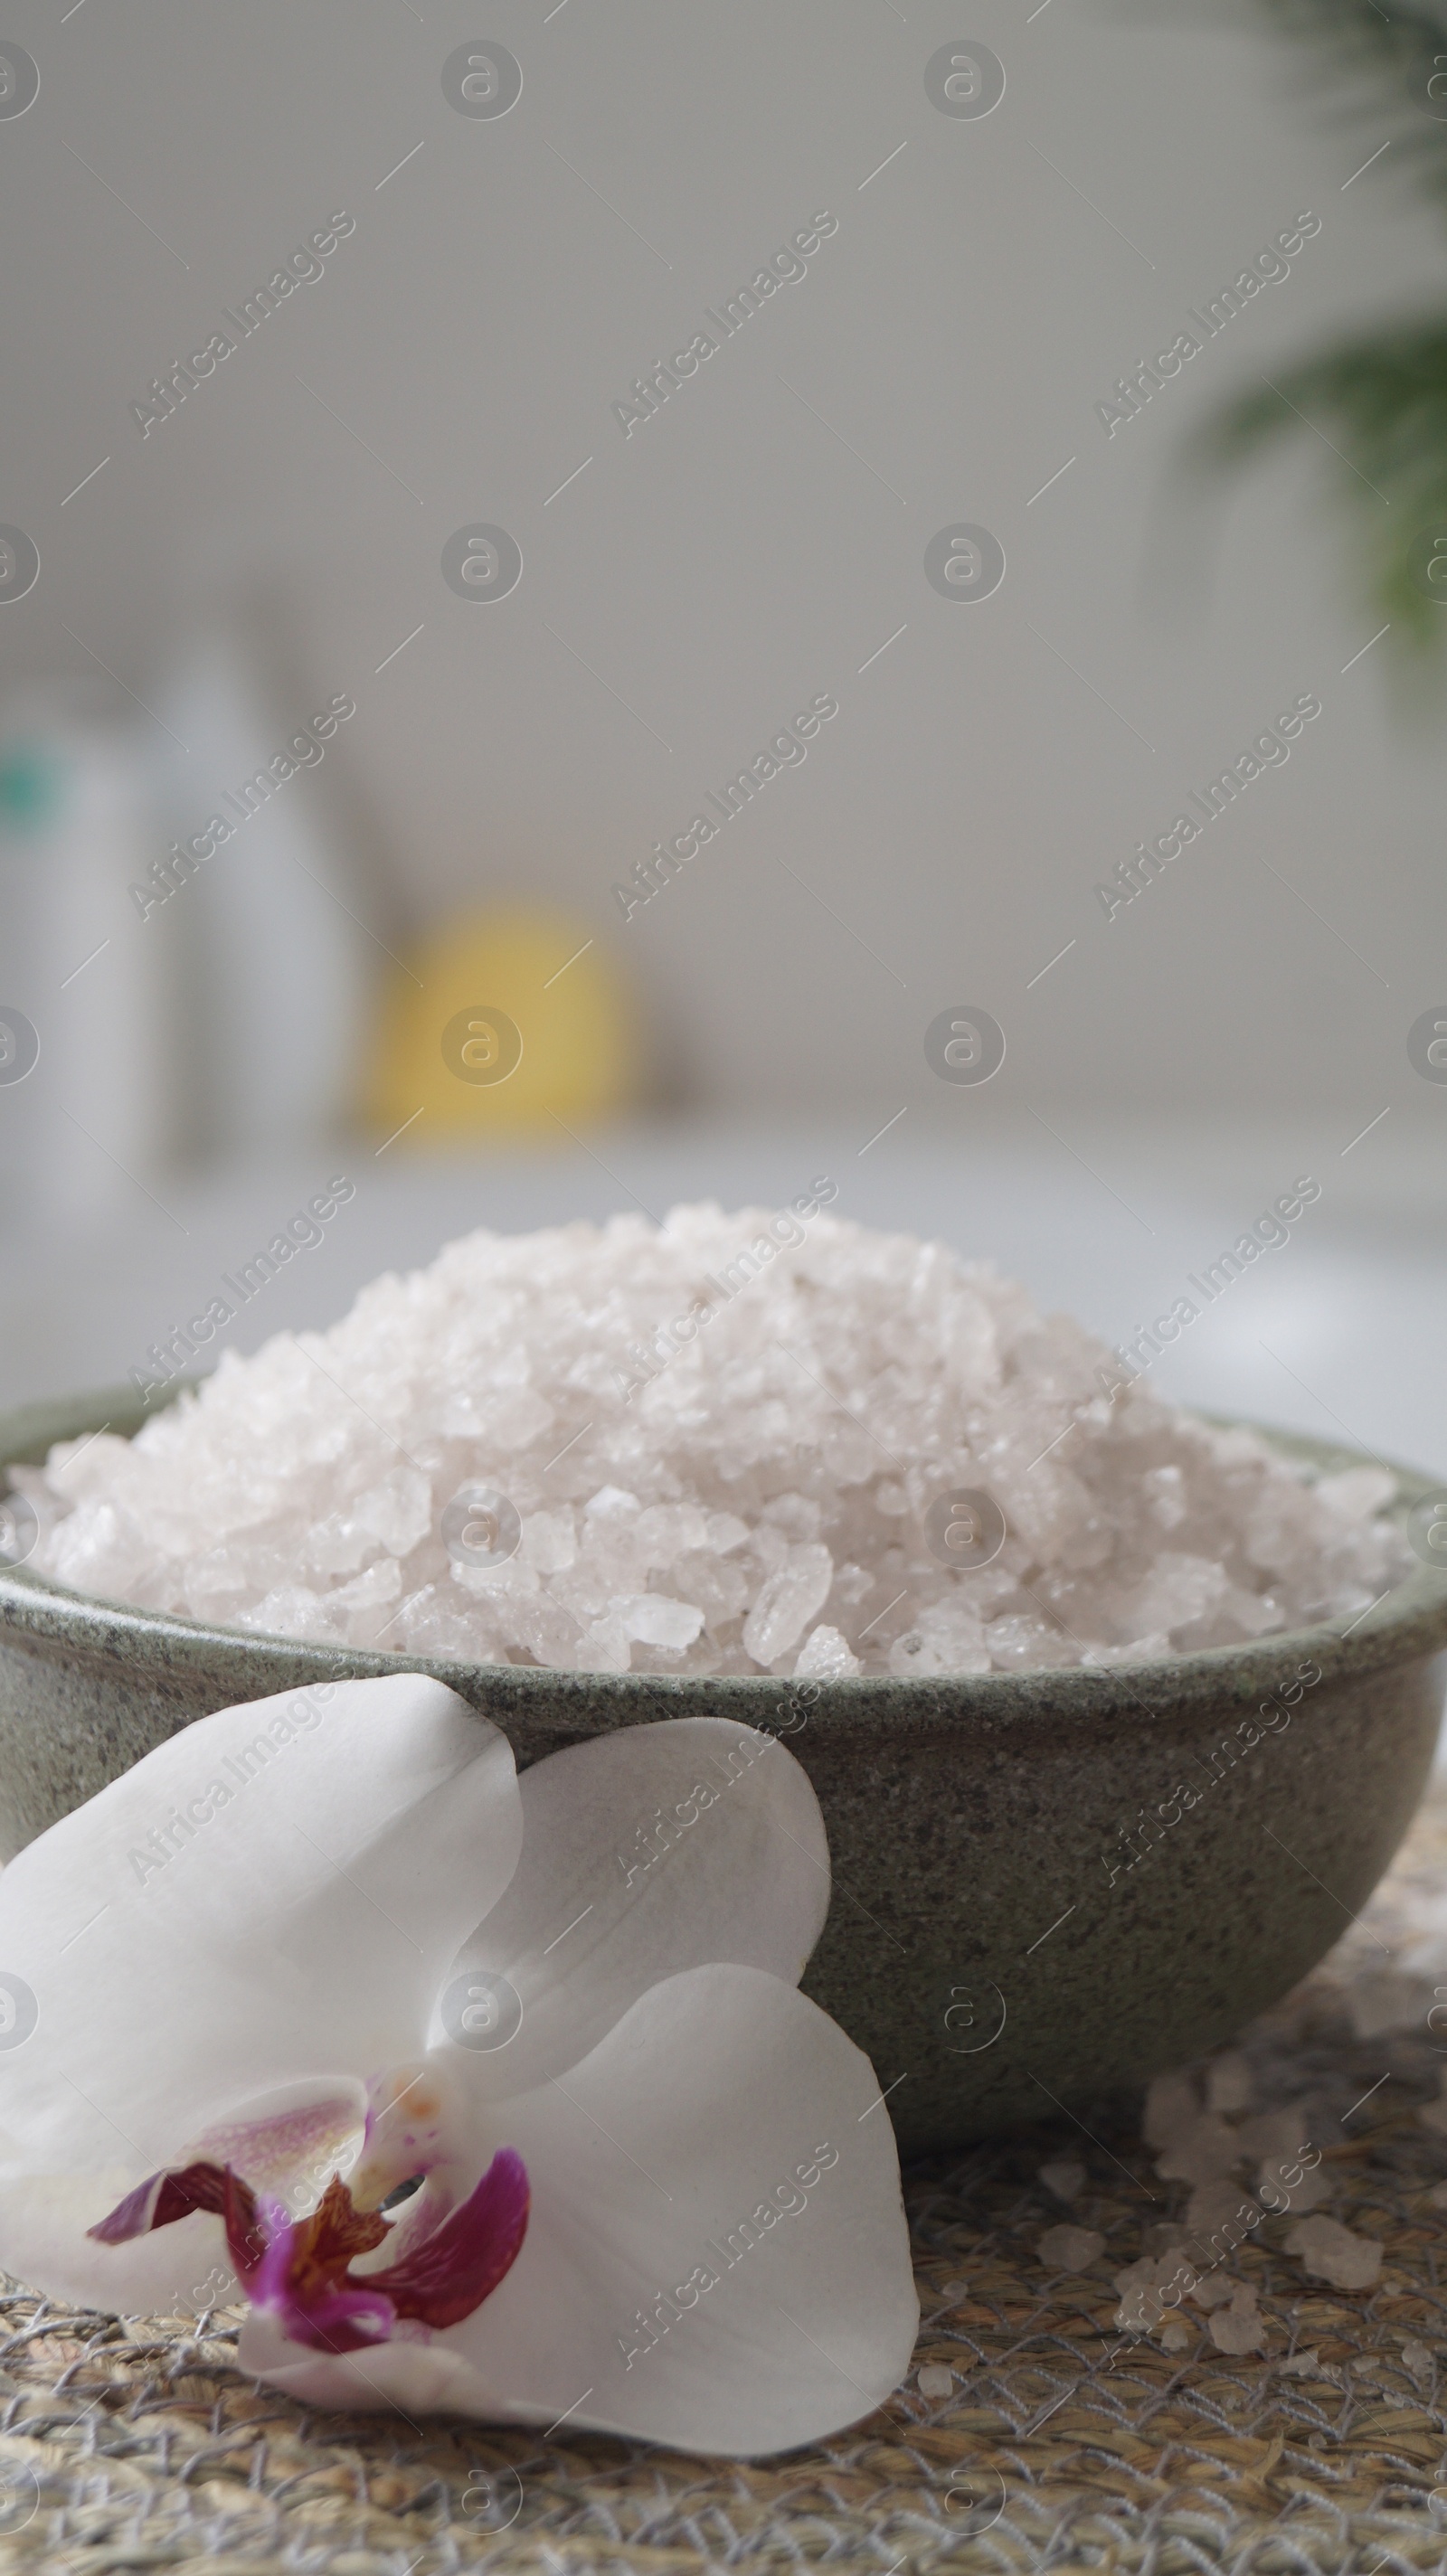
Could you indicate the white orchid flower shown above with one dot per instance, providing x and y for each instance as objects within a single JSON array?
[{"x": 493, "y": 2095}]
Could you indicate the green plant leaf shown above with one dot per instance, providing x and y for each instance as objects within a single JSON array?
[{"x": 1380, "y": 402}]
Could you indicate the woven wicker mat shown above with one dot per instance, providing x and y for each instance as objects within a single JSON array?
[{"x": 1060, "y": 2445}]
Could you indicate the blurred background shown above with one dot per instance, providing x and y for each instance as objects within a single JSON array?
[{"x": 446, "y": 446}]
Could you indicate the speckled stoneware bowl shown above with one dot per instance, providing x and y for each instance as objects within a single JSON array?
[{"x": 992, "y": 1942}]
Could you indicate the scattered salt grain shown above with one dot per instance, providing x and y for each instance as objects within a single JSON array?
[
  {"x": 1303, "y": 2365},
  {"x": 1152, "y": 2289},
  {"x": 1066, "y": 2179},
  {"x": 1214, "y": 2205},
  {"x": 1388, "y": 2001},
  {"x": 1330, "y": 2252},
  {"x": 934, "y": 2380},
  {"x": 1171, "y": 2105},
  {"x": 1277, "y": 2192},
  {"x": 1070, "y": 2249},
  {"x": 1238, "y": 2328},
  {"x": 1200, "y": 2152},
  {"x": 1173, "y": 2333},
  {"x": 1228, "y": 2083},
  {"x": 1417, "y": 2359},
  {"x": 1283, "y": 2132},
  {"x": 1135, "y": 2275},
  {"x": 757, "y": 1499}
]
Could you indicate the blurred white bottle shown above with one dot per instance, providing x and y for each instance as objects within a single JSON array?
[
  {"x": 89, "y": 1119},
  {"x": 278, "y": 969}
]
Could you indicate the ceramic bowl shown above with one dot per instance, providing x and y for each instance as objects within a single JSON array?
[{"x": 1047, "y": 1886}]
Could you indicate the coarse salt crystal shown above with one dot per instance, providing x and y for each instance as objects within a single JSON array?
[
  {"x": 765, "y": 1492},
  {"x": 654, "y": 1620},
  {"x": 1228, "y": 2082},
  {"x": 790, "y": 1598},
  {"x": 1388, "y": 2001},
  {"x": 1214, "y": 2205},
  {"x": 1152, "y": 2288},
  {"x": 1201, "y": 2152},
  {"x": 826, "y": 1656},
  {"x": 1284, "y": 2132},
  {"x": 1172, "y": 2105},
  {"x": 1065, "y": 2178},
  {"x": 1277, "y": 2192},
  {"x": 1331, "y": 2252},
  {"x": 1238, "y": 2328},
  {"x": 1212, "y": 2291},
  {"x": 1070, "y": 2249}
]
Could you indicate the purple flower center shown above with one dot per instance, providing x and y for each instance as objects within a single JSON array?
[{"x": 301, "y": 2269}]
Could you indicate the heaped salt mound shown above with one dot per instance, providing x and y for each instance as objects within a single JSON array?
[{"x": 755, "y": 1501}]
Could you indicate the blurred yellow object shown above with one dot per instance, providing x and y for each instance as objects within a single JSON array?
[{"x": 516, "y": 1020}]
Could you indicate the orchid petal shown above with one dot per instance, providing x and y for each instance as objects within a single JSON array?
[
  {"x": 276, "y": 1890},
  {"x": 726, "y": 2133},
  {"x": 354, "y": 2320},
  {"x": 176, "y": 2271},
  {"x": 299, "y": 2135},
  {"x": 327, "y": 2310},
  {"x": 446, "y": 2273},
  {"x": 169, "y": 2197},
  {"x": 650, "y": 1850},
  {"x": 411, "y": 2378},
  {"x": 320, "y": 2121}
]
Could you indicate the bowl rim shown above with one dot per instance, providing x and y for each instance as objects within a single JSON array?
[{"x": 1406, "y": 1622}]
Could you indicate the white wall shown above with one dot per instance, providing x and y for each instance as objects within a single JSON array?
[{"x": 733, "y": 557}]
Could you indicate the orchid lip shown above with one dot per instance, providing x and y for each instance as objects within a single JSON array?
[{"x": 300, "y": 2269}]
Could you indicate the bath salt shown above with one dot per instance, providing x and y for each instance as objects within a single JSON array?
[
  {"x": 1065, "y": 2178},
  {"x": 1070, "y": 2249},
  {"x": 1172, "y": 2108},
  {"x": 1201, "y": 2153},
  {"x": 1228, "y": 2082},
  {"x": 1239, "y": 2328},
  {"x": 755, "y": 1443},
  {"x": 1331, "y": 2252},
  {"x": 1143, "y": 2286}
]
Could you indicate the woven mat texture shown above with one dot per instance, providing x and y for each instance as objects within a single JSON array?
[{"x": 1060, "y": 2445}]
